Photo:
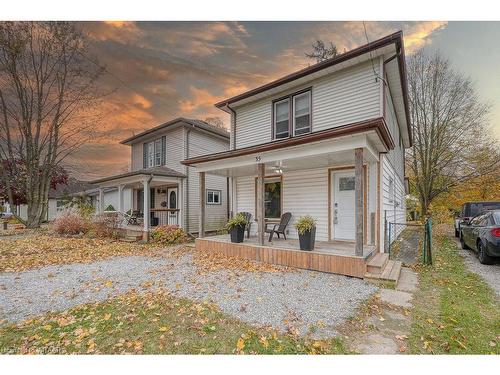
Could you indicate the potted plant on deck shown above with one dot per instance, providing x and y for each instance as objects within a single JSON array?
[
  {"x": 236, "y": 228},
  {"x": 306, "y": 226}
]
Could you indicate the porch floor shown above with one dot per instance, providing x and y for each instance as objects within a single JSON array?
[
  {"x": 345, "y": 248},
  {"x": 332, "y": 257}
]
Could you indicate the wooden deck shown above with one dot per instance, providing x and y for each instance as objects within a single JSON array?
[{"x": 333, "y": 257}]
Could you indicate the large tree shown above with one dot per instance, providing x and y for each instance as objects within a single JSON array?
[
  {"x": 47, "y": 96},
  {"x": 453, "y": 143}
]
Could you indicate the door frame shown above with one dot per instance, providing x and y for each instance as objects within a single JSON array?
[{"x": 330, "y": 198}]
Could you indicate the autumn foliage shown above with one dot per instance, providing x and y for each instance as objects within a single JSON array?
[
  {"x": 71, "y": 222},
  {"x": 169, "y": 235}
]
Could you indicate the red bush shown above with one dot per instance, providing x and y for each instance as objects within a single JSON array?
[{"x": 169, "y": 235}]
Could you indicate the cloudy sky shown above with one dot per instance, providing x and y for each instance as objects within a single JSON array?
[{"x": 162, "y": 70}]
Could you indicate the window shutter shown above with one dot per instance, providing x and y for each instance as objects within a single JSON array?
[
  {"x": 163, "y": 150},
  {"x": 144, "y": 155}
]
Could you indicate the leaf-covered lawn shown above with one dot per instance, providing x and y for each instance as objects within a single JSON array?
[
  {"x": 151, "y": 323},
  {"x": 455, "y": 310},
  {"x": 32, "y": 251}
]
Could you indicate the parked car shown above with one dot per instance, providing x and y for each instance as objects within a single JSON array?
[
  {"x": 482, "y": 234},
  {"x": 471, "y": 209}
]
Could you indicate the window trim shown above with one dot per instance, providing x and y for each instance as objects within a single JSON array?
[
  {"x": 309, "y": 113},
  {"x": 219, "y": 192},
  {"x": 281, "y": 195},
  {"x": 291, "y": 115},
  {"x": 157, "y": 149}
]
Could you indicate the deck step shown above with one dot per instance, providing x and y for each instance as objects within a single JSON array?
[
  {"x": 390, "y": 273},
  {"x": 129, "y": 238},
  {"x": 376, "y": 264}
]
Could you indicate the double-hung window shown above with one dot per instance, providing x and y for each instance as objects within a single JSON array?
[
  {"x": 158, "y": 152},
  {"x": 282, "y": 119},
  {"x": 151, "y": 150},
  {"x": 302, "y": 113},
  {"x": 292, "y": 115}
]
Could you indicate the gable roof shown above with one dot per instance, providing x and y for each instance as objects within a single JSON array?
[
  {"x": 182, "y": 121},
  {"x": 395, "y": 38}
]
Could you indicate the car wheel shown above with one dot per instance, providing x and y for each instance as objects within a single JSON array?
[
  {"x": 481, "y": 253},
  {"x": 462, "y": 242}
]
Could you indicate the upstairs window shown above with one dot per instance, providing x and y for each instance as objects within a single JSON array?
[
  {"x": 302, "y": 113},
  {"x": 151, "y": 150},
  {"x": 292, "y": 115},
  {"x": 281, "y": 119},
  {"x": 158, "y": 151},
  {"x": 154, "y": 153}
]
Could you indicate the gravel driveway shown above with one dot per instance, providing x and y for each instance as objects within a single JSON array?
[
  {"x": 308, "y": 301},
  {"x": 490, "y": 273}
]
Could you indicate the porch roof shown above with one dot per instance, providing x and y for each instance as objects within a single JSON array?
[
  {"x": 159, "y": 174},
  {"x": 318, "y": 149}
]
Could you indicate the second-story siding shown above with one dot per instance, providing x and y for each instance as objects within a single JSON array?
[{"x": 344, "y": 97}]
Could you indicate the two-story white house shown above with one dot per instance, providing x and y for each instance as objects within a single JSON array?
[
  {"x": 158, "y": 187},
  {"x": 326, "y": 141}
]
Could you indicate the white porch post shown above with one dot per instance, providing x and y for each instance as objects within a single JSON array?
[
  {"x": 120, "y": 198},
  {"x": 358, "y": 205},
  {"x": 260, "y": 202},
  {"x": 180, "y": 203},
  {"x": 101, "y": 201},
  {"x": 201, "y": 219},
  {"x": 145, "y": 184}
]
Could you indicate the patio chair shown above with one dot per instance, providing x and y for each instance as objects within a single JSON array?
[
  {"x": 279, "y": 228},
  {"x": 132, "y": 218},
  {"x": 248, "y": 218}
]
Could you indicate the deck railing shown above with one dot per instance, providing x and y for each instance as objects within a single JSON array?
[{"x": 164, "y": 216}]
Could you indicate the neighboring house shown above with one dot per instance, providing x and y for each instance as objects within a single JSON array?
[
  {"x": 58, "y": 198},
  {"x": 326, "y": 141},
  {"x": 161, "y": 189}
]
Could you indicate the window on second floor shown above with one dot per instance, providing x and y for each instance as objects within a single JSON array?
[
  {"x": 154, "y": 153},
  {"x": 292, "y": 115}
]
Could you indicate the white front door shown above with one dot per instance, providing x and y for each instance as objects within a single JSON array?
[
  {"x": 172, "y": 204},
  {"x": 343, "y": 218}
]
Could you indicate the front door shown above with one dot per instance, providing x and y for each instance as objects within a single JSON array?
[
  {"x": 343, "y": 218},
  {"x": 172, "y": 205}
]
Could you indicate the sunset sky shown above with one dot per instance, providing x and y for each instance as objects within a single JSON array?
[{"x": 162, "y": 70}]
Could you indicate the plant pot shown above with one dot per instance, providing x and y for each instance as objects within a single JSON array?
[
  {"x": 307, "y": 239},
  {"x": 237, "y": 234}
]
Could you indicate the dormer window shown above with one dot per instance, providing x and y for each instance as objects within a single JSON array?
[{"x": 292, "y": 115}]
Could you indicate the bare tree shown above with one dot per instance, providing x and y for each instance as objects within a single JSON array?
[
  {"x": 321, "y": 52},
  {"x": 216, "y": 121},
  {"x": 452, "y": 141},
  {"x": 47, "y": 94}
]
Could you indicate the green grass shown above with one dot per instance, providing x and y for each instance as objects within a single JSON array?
[
  {"x": 151, "y": 323},
  {"x": 455, "y": 310}
]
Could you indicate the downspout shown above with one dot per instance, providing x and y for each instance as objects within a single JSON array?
[{"x": 233, "y": 125}]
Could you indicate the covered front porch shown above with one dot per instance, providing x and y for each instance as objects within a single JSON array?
[
  {"x": 334, "y": 180},
  {"x": 155, "y": 198}
]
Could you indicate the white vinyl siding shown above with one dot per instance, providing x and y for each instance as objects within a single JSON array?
[
  {"x": 396, "y": 156},
  {"x": 393, "y": 199},
  {"x": 305, "y": 192},
  {"x": 216, "y": 214},
  {"x": 344, "y": 97}
]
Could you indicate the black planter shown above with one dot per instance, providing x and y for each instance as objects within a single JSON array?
[
  {"x": 237, "y": 234},
  {"x": 307, "y": 239}
]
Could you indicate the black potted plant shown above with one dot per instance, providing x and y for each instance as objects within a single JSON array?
[
  {"x": 236, "y": 228},
  {"x": 306, "y": 226}
]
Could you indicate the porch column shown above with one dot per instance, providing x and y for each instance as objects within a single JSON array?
[
  {"x": 101, "y": 201},
  {"x": 358, "y": 200},
  {"x": 120, "y": 198},
  {"x": 201, "y": 219},
  {"x": 260, "y": 203},
  {"x": 146, "y": 213}
]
